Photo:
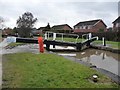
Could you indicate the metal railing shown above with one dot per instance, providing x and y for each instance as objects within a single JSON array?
[{"x": 60, "y": 36}]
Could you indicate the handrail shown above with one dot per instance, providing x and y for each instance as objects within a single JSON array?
[
  {"x": 91, "y": 38},
  {"x": 47, "y": 35}
]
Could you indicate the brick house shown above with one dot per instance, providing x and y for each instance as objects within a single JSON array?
[
  {"x": 64, "y": 28},
  {"x": 6, "y": 31},
  {"x": 116, "y": 24},
  {"x": 90, "y": 26}
]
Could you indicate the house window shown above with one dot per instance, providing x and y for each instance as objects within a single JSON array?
[
  {"x": 80, "y": 27},
  {"x": 84, "y": 27},
  {"x": 76, "y": 27},
  {"x": 117, "y": 24},
  {"x": 89, "y": 27}
]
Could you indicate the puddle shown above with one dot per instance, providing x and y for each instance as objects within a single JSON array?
[
  {"x": 67, "y": 54},
  {"x": 99, "y": 58}
]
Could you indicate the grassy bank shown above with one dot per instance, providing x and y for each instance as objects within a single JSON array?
[
  {"x": 15, "y": 44},
  {"x": 27, "y": 70},
  {"x": 112, "y": 44},
  {"x": 67, "y": 39}
]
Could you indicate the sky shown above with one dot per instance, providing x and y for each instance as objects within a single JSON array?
[{"x": 56, "y": 12}]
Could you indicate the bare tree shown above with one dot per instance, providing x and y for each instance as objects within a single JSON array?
[{"x": 1, "y": 23}]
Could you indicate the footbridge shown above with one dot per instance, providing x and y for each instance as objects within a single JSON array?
[{"x": 62, "y": 39}]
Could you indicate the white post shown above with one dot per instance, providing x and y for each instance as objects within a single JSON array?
[
  {"x": 104, "y": 44},
  {"x": 54, "y": 36},
  {"x": 45, "y": 35},
  {"x": 97, "y": 38},
  {"x": 90, "y": 36},
  {"x": 103, "y": 40}
]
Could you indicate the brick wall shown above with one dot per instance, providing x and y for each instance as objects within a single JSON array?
[
  {"x": 99, "y": 26},
  {"x": 84, "y": 30}
]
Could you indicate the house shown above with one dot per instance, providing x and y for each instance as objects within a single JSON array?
[
  {"x": 116, "y": 24},
  {"x": 90, "y": 26},
  {"x": 6, "y": 31},
  {"x": 64, "y": 28}
]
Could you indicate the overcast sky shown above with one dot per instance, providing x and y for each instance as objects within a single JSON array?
[{"x": 59, "y": 11}]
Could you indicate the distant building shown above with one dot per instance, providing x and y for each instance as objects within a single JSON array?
[
  {"x": 6, "y": 31},
  {"x": 64, "y": 28},
  {"x": 90, "y": 26},
  {"x": 116, "y": 24}
]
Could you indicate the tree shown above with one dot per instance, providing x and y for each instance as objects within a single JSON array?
[
  {"x": 15, "y": 31},
  {"x": 25, "y": 24}
]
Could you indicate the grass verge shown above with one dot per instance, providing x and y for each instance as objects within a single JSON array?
[
  {"x": 111, "y": 43},
  {"x": 13, "y": 44},
  {"x": 68, "y": 39},
  {"x": 27, "y": 70}
]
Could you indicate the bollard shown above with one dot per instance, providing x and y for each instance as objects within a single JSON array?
[
  {"x": 40, "y": 42},
  {"x": 54, "y": 36},
  {"x": 104, "y": 43},
  {"x": 45, "y": 36}
]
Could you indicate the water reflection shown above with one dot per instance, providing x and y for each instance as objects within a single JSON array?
[
  {"x": 101, "y": 59},
  {"x": 101, "y": 53}
]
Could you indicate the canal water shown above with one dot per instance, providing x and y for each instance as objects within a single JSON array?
[{"x": 101, "y": 59}]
